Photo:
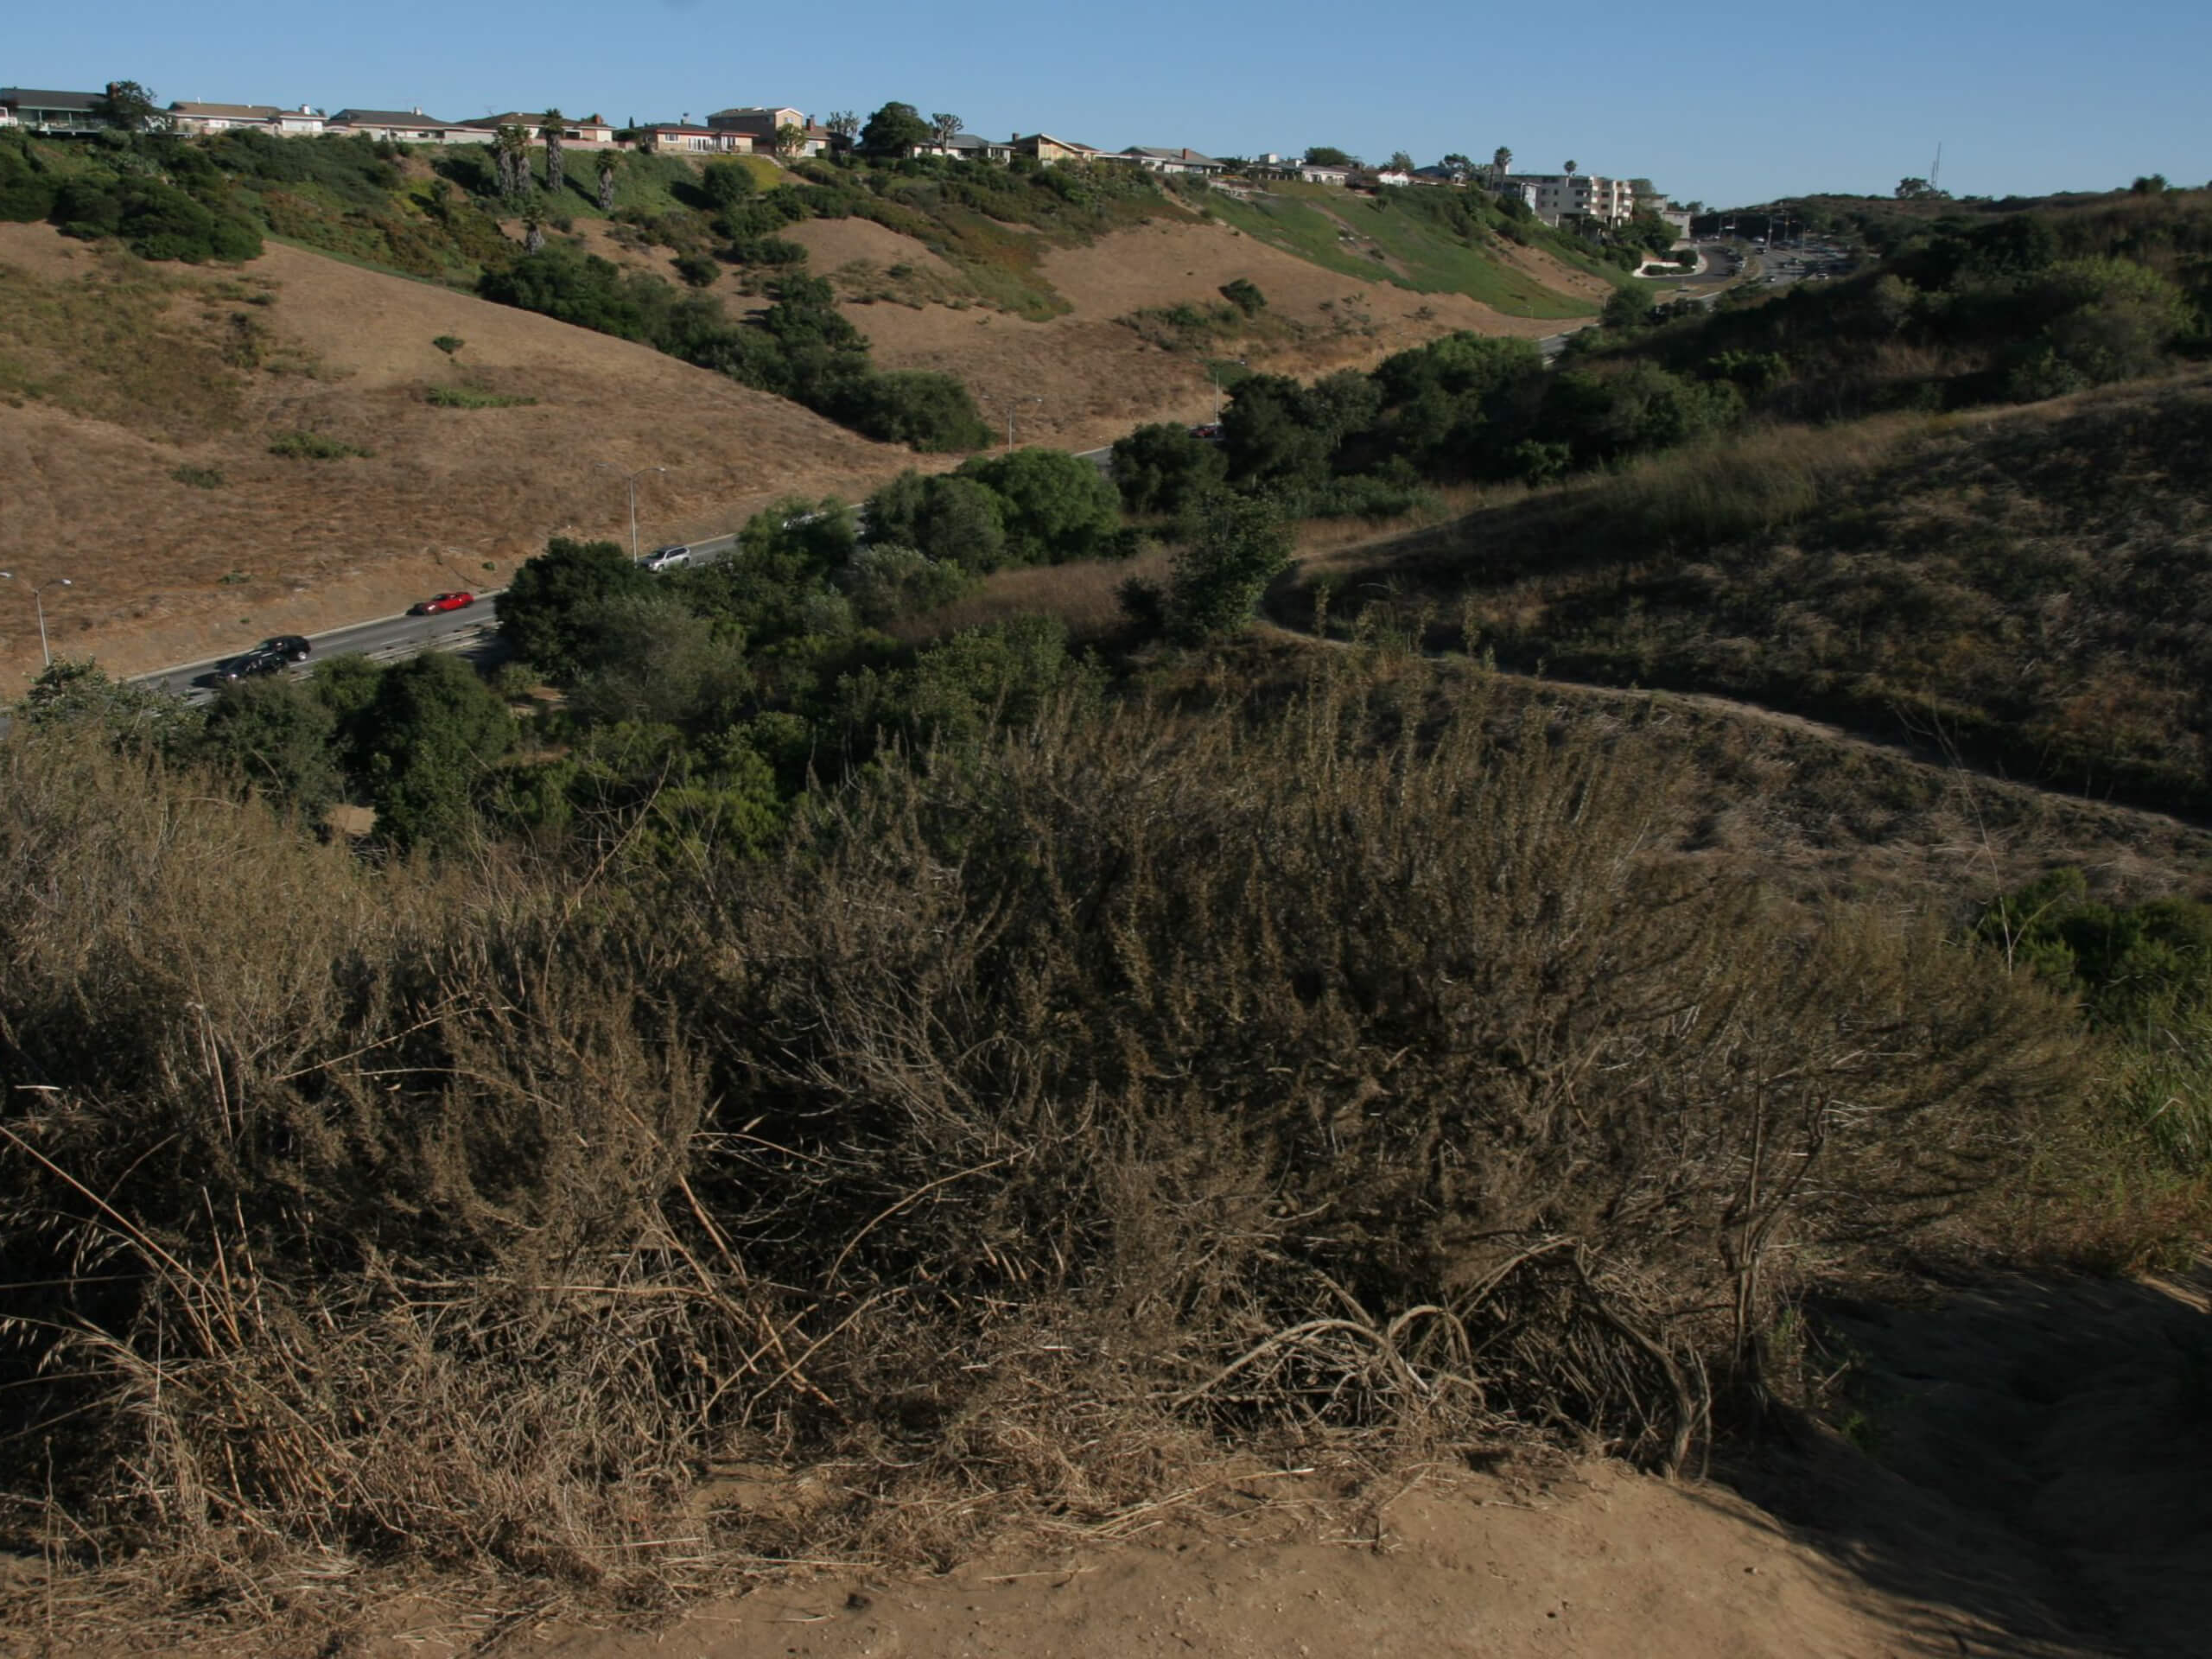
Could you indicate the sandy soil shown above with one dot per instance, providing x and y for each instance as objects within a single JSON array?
[
  {"x": 163, "y": 572},
  {"x": 2028, "y": 1482}
]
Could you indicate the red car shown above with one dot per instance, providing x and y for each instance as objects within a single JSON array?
[{"x": 443, "y": 602}]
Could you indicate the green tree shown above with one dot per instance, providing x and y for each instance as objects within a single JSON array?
[
  {"x": 279, "y": 736},
  {"x": 1401, "y": 162},
  {"x": 549, "y": 611},
  {"x": 944, "y": 129},
  {"x": 646, "y": 656},
  {"x": 1058, "y": 507},
  {"x": 129, "y": 107},
  {"x": 727, "y": 184},
  {"x": 69, "y": 691},
  {"x": 894, "y": 131},
  {"x": 1244, "y": 294},
  {"x": 27, "y": 190},
  {"x": 1162, "y": 468},
  {"x": 1238, "y": 545},
  {"x": 433, "y": 732},
  {"x": 1328, "y": 156},
  {"x": 789, "y": 140},
  {"x": 844, "y": 126},
  {"x": 950, "y": 518}
]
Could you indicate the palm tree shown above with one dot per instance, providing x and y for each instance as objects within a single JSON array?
[
  {"x": 533, "y": 227},
  {"x": 556, "y": 124},
  {"x": 1501, "y": 164},
  {"x": 944, "y": 128},
  {"x": 511, "y": 155},
  {"x": 1570, "y": 169},
  {"x": 606, "y": 160}
]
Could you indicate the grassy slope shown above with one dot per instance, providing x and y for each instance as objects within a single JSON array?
[
  {"x": 2031, "y": 586},
  {"x": 450, "y": 232},
  {"x": 1313, "y": 221}
]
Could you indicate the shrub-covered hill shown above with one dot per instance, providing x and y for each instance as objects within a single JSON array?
[
  {"x": 2034, "y": 586},
  {"x": 1965, "y": 309}
]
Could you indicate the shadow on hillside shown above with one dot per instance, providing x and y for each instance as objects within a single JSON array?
[{"x": 2029, "y": 1460}]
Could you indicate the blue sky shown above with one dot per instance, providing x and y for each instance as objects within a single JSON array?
[{"x": 1727, "y": 103}]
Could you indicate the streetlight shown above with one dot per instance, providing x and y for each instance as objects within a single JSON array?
[
  {"x": 1216, "y": 366},
  {"x": 39, "y": 602},
  {"x": 630, "y": 478}
]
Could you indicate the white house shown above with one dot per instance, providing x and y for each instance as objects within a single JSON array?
[
  {"x": 1170, "y": 161},
  {"x": 303, "y": 122},
  {"x": 399, "y": 126},
  {"x": 1556, "y": 196}
]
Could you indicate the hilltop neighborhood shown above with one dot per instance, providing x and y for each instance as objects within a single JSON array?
[{"x": 787, "y": 133}]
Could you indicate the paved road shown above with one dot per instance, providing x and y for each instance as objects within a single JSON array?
[{"x": 472, "y": 633}]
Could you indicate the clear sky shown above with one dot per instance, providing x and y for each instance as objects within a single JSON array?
[{"x": 1728, "y": 103}]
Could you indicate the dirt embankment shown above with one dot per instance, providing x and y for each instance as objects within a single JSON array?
[
  {"x": 165, "y": 570},
  {"x": 2022, "y": 1477}
]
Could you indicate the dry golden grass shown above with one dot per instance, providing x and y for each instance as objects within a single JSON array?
[
  {"x": 1097, "y": 377},
  {"x": 164, "y": 572}
]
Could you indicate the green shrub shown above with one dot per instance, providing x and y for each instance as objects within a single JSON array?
[
  {"x": 315, "y": 446},
  {"x": 200, "y": 478},
  {"x": 470, "y": 397}
]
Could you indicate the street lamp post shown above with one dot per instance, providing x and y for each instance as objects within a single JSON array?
[
  {"x": 1012, "y": 403},
  {"x": 38, "y": 603},
  {"x": 631, "y": 480}
]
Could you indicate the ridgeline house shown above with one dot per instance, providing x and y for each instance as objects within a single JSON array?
[
  {"x": 589, "y": 129},
  {"x": 762, "y": 123},
  {"x": 399, "y": 126},
  {"x": 305, "y": 122},
  {"x": 1556, "y": 196},
  {"x": 24, "y": 106},
  {"x": 967, "y": 147},
  {"x": 674, "y": 138},
  {"x": 1187, "y": 162}
]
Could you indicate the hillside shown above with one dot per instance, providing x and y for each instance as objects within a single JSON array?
[
  {"x": 116, "y": 376},
  {"x": 2028, "y": 587},
  {"x": 1098, "y": 369}
]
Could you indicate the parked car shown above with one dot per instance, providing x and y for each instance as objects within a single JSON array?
[
  {"x": 437, "y": 602},
  {"x": 666, "y": 558},
  {"x": 1209, "y": 430}
]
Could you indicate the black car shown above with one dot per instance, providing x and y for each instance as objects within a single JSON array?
[
  {"x": 259, "y": 660},
  {"x": 269, "y": 656}
]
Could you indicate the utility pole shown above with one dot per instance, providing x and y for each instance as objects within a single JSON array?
[
  {"x": 631, "y": 480},
  {"x": 38, "y": 603}
]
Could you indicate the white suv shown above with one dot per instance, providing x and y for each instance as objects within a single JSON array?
[{"x": 666, "y": 558}]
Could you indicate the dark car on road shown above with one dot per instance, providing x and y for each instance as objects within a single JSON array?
[
  {"x": 267, "y": 657},
  {"x": 437, "y": 602}
]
